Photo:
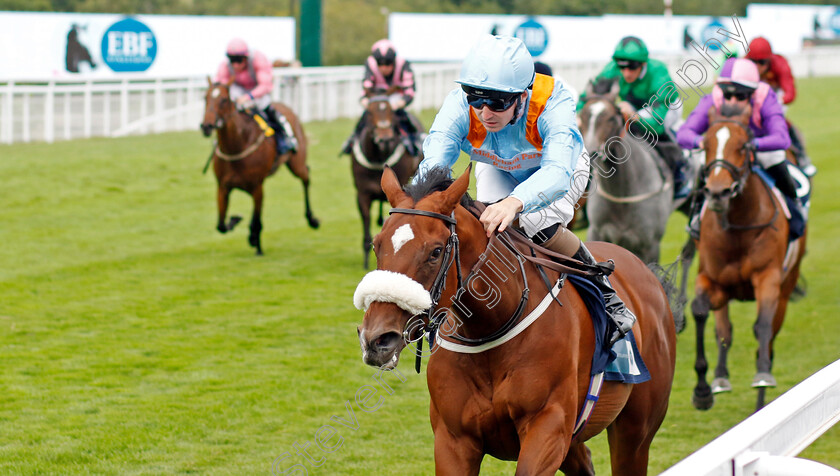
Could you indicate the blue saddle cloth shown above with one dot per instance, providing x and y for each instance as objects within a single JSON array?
[
  {"x": 622, "y": 362},
  {"x": 797, "y": 220}
]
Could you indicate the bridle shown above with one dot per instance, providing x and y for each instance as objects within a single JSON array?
[{"x": 739, "y": 177}]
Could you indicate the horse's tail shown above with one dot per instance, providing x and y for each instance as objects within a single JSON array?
[{"x": 667, "y": 276}]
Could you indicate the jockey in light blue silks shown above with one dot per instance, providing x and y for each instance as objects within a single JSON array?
[{"x": 520, "y": 127}]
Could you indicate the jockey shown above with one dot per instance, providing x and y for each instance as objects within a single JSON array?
[
  {"x": 520, "y": 127},
  {"x": 642, "y": 82},
  {"x": 737, "y": 87},
  {"x": 252, "y": 83},
  {"x": 386, "y": 71},
  {"x": 775, "y": 71}
]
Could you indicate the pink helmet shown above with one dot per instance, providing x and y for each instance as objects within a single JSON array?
[
  {"x": 383, "y": 52},
  {"x": 740, "y": 71},
  {"x": 237, "y": 47}
]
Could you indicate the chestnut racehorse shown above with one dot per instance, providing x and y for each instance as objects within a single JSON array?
[
  {"x": 245, "y": 157},
  {"x": 520, "y": 399},
  {"x": 379, "y": 145},
  {"x": 743, "y": 245}
]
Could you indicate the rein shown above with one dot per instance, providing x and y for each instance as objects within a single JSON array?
[
  {"x": 563, "y": 265},
  {"x": 248, "y": 150}
]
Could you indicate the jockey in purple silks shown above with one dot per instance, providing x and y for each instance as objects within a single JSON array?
[
  {"x": 384, "y": 70},
  {"x": 737, "y": 87}
]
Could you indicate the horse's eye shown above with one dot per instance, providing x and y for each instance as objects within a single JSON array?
[{"x": 436, "y": 253}]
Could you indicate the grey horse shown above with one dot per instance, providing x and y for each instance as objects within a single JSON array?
[{"x": 632, "y": 189}]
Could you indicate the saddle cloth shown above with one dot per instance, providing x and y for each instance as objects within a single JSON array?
[{"x": 622, "y": 362}]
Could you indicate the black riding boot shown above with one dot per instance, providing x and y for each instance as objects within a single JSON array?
[
  {"x": 347, "y": 147},
  {"x": 784, "y": 182},
  {"x": 409, "y": 132},
  {"x": 622, "y": 317},
  {"x": 673, "y": 156},
  {"x": 283, "y": 134},
  {"x": 802, "y": 159}
]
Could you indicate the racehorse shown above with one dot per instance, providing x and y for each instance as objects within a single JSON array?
[
  {"x": 378, "y": 145},
  {"x": 632, "y": 188},
  {"x": 512, "y": 398},
  {"x": 244, "y": 157},
  {"x": 744, "y": 255}
]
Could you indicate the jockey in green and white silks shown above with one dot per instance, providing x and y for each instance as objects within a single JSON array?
[{"x": 521, "y": 129}]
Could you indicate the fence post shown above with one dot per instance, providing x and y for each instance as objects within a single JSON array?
[
  {"x": 7, "y": 133},
  {"x": 49, "y": 113}
]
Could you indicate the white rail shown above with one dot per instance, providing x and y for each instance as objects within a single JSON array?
[
  {"x": 61, "y": 109},
  {"x": 766, "y": 443}
]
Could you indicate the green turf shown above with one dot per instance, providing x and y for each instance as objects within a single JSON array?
[{"x": 135, "y": 339}]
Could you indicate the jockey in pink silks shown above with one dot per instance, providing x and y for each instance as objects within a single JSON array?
[
  {"x": 384, "y": 71},
  {"x": 251, "y": 89}
]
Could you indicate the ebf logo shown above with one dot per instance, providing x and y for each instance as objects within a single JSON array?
[
  {"x": 129, "y": 46},
  {"x": 534, "y": 35},
  {"x": 711, "y": 31}
]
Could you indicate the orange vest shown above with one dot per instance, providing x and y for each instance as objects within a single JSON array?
[{"x": 541, "y": 91}]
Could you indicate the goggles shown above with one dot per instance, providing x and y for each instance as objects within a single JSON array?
[
  {"x": 627, "y": 64},
  {"x": 762, "y": 62},
  {"x": 237, "y": 58},
  {"x": 385, "y": 61},
  {"x": 497, "y": 101},
  {"x": 740, "y": 96}
]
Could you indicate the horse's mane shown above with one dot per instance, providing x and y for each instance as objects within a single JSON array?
[
  {"x": 437, "y": 179},
  {"x": 602, "y": 86}
]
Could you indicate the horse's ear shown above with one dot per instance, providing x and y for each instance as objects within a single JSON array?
[
  {"x": 209, "y": 82},
  {"x": 744, "y": 117},
  {"x": 615, "y": 89},
  {"x": 393, "y": 189},
  {"x": 230, "y": 82},
  {"x": 713, "y": 114},
  {"x": 453, "y": 194}
]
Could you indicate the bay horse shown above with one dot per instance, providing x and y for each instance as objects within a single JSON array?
[
  {"x": 518, "y": 400},
  {"x": 378, "y": 145},
  {"x": 744, "y": 255},
  {"x": 245, "y": 157},
  {"x": 632, "y": 188}
]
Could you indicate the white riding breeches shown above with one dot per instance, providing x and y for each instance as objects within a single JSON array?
[
  {"x": 770, "y": 158},
  {"x": 261, "y": 102},
  {"x": 673, "y": 120},
  {"x": 493, "y": 184}
]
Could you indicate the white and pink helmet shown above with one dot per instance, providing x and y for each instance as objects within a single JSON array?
[
  {"x": 383, "y": 52},
  {"x": 237, "y": 47},
  {"x": 741, "y": 72}
]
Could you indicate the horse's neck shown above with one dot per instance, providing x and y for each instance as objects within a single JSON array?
[
  {"x": 491, "y": 293},
  {"x": 235, "y": 135},
  {"x": 637, "y": 174},
  {"x": 373, "y": 152},
  {"x": 753, "y": 205}
]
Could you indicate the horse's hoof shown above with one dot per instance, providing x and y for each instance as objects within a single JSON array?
[
  {"x": 222, "y": 229},
  {"x": 720, "y": 385},
  {"x": 234, "y": 220},
  {"x": 259, "y": 252},
  {"x": 702, "y": 399},
  {"x": 763, "y": 379},
  {"x": 314, "y": 223}
]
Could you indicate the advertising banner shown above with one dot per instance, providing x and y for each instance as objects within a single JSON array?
[{"x": 62, "y": 45}]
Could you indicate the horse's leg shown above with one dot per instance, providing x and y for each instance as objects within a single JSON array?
[
  {"x": 686, "y": 257},
  {"x": 297, "y": 165},
  {"x": 380, "y": 220},
  {"x": 256, "y": 220},
  {"x": 222, "y": 197},
  {"x": 723, "y": 335},
  {"x": 544, "y": 446},
  {"x": 364, "y": 201},
  {"x": 767, "y": 289},
  {"x": 702, "y": 397},
  {"x": 456, "y": 457},
  {"x": 578, "y": 461}
]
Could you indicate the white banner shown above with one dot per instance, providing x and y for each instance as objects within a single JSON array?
[{"x": 62, "y": 45}]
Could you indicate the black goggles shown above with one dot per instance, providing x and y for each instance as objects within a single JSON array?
[
  {"x": 236, "y": 58},
  {"x": 497, "y": 101},
  {"x": 740, "y": 96},
  {"x": 624, "y": 64},
  {"x": 762, "y": 62},
  {"x": 385, "y": 62}
]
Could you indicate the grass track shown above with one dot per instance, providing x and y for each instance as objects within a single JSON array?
[{"x": 137, "y": 340}]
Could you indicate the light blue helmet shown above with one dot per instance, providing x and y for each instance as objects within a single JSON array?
[{"x": 498, "y": 63}]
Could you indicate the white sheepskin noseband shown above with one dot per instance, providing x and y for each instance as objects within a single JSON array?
[{"x": 388, "y": 286}]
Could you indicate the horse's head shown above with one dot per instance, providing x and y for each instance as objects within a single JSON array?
[
  {"x": 414, "y": 252},
  {"x": 728, "y": 157},
  {"x": 600, "y": 118},
  {"x": 218, "y": 105},
  {"x": 381, "y": 120}
]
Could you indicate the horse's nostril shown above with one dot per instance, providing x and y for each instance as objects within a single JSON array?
[{"x": 385, "y": 342}]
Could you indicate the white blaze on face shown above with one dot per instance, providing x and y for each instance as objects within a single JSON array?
[
  {"x": 402, "y": 236},
  {"x": 216, "y": 92},
  {"x": 722, "y": 136},
  {"x": 594, "y": 111}
]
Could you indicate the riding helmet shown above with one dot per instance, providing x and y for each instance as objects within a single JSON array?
[
  {"x": 383, "y": 52},
  {"x": 237, "y": 47},
  {"x": 741, "y": 72},
  {"x": 760, "y": 49},
  {"x": 631, "y": 48},
  {"x": 498, "y": 63}
]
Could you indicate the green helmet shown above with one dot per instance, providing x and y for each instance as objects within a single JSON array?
[{"x": 631, "y": 48}]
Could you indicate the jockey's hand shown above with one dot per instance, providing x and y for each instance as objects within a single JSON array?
[
  {"x": 364, "y": 102},
  {"x": 500, "y": 215},
  {"x": 626, "y": 109},
  {"x": 397, "y": 101},
  {"x": 246, "y": 101}
]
